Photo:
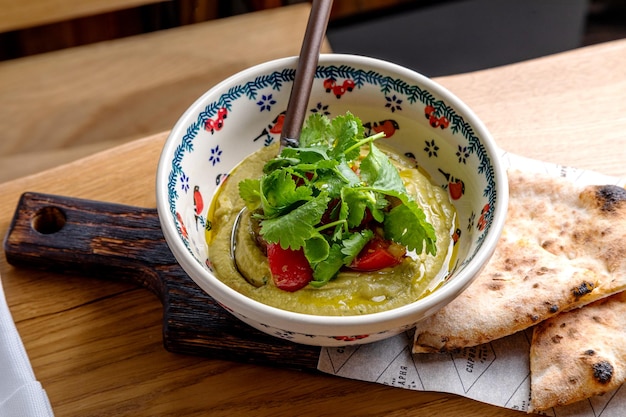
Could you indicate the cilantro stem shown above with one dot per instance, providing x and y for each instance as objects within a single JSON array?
[
  {"x": 331, "y": 224},
  {"x": 362, "y": 142}
]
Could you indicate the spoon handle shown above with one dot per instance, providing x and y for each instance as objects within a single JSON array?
[{"x": 305, "y": 72}]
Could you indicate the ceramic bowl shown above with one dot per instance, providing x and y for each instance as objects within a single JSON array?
[{"x": 421, "y": 119}]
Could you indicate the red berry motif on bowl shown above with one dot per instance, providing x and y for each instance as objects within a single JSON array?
[
  {"x": 198, "y": 202},
  {"x": 482, "y": 220},
  {"x": 441, "y": 122},
  {"x": 456, "y": 235},
  {"x": 183, "y": 229},
  {"x": 331, "y": 85},
  {"x": 273, "y": 128},
  {"x": 388, "y": 126},
  {"x": 211, "y": 125},
  {"x": 456, "y": 186},
  {"x": 221, "y": 178},
  {"x": 276, "y": 126},
  {"x": 350, "y": 338},
  {"x": 208, "y": 264},
  {"x": 225, "y": 307}
]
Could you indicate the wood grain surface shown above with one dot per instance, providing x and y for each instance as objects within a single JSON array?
[
  {"x": 132, "y": 87},
  {"x": 96, "y": 345},
  {"x": 125, "y": 243}
]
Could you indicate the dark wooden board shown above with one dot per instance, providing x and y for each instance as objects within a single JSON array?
[{"x": 114, "y": 241}]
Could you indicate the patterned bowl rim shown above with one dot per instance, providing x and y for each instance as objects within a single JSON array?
[{"x": 209, "y": 282}]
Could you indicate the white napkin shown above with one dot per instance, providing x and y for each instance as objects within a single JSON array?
[{"x": 20, "y": 393}]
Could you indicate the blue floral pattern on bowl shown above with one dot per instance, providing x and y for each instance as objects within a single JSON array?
[{"x": 416, "y": 120}]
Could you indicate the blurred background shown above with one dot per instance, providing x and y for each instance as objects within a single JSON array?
[
  {"x": 82, "y": 76},
  {"x": 461, "y": 35}
]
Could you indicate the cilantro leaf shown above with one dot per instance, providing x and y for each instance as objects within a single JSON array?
[
  {"x": 332, "y": 178},
  {"x": 406, "y": 224},
  {"x": 250, "y": 192},
  {"x": 292, "y": 229},
  {"x": 347, "y": 130},
  {"x": 355, "y": 201},
  {"x": 340, "y": 254},
  {"x": 325, "y": 271},
  {"x": 354, "y": 243},
  {"x": 316, "y": 249},
  {"x": 279, "y": 162},
  {"x": 347, "y": 174},
  {"x": 378, "y": 171},
  {"x": 295, "y": 156},
  {"x": 315, "y": 131},
  {"x": 329, "y": 182},
  {"x": 279, "y": 193},
  {"x": 310, "y": 155}
]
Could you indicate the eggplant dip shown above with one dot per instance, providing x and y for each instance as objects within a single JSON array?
[{"x": 338, "y": 226}]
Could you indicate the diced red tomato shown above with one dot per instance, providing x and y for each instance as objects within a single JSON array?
[
  {"x": 378, "y": 254},
  {"x": 289, "y": 268}
]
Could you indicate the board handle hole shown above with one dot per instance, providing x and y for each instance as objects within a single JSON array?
[{"x": 48, "y": 220}]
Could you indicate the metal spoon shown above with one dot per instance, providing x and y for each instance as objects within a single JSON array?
[
  {"x": 305, "y": 72},
  {"x": 299, "y": 95}
]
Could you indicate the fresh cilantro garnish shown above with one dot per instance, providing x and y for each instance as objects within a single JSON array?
[
  {"x": 294, "y": 229},
  {"x": 320, "y": 195}
]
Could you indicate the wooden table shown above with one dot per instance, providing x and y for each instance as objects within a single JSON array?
[
  {"x": 66, "y": 104},
  {"x": 96, "y": 345}
]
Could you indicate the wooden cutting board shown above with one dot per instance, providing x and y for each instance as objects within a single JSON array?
[{"x": 115, "y": 241}]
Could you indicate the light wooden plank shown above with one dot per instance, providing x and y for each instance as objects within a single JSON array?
[
  {"x": 568, "y": 108},
  {"x": 136, "y": 86}
]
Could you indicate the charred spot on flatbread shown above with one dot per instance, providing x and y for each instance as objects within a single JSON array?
[
  {"x": 602, "y": 372},
  {"x": 607, "y": 198},
  {"x": 583, "y": 289}
]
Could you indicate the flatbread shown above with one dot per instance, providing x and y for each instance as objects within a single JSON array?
[
  {"x": 563, "y": 246},
  {"x": 578, "y": 354}
]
